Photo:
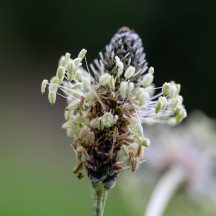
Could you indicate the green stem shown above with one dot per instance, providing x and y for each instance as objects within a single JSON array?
[
  {"x": 105, "y": 193},
  {"x": 164, "y": 190},
  {"x": 99, "y": 201}
]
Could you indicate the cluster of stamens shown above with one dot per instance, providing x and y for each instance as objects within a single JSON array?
[{"x": 107, "y": 106}]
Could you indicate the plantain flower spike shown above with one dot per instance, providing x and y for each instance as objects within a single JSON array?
[{"x": 107, "y": 106}]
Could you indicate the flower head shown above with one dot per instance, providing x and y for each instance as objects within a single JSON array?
[
  {"x": 190, "y": 146},
  {"x": 107, "y": 106}
]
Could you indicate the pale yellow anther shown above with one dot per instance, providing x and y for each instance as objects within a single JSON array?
[
  {"x": 151, "y": 70},
  {"x": 123, "y": 88},
  {"x": 76, "y": 104},
  {"x": 54, "y": 80},
  {"x": 67, "y": 115},
  {"x": 151, "y": 90},
  {"x": 158, "y": 107},
  {"x": 77, "y": 61},
  {"x": 172, "y": 121},
  {"x": 131, "y": 87},
  {"x": 147, "y": 79},
  {"x": 53, "y": 87},
  {"x": 136, "y": 127},
  {"x": 70, "y": 132},
  {"x": 138, "y": 138},
  {"x": 177, "y": 110},
  {"x": 112, "y": 83},
  {"x": 180, "y": 99},
  {"x": 67, "y": 124},
  {"x": 129, "y": 72},
  {"x": 139, "y": 92},
  {"x": 44, "y": 85},
  {"x": 71, "y": 69},
  {"x": 146, "y": 142},
  {"x": 173, "y": 103},
  {"x": 61, "y": 61},
  {"x": 66, "y": 59},
  {"x": 78, "y": 75},
  {"x": 72, "y": 128},
  {"x": 75, "y": 93},
  {"x": 180, "y": 115},
  {"x": 104, "y": 79},
  {"x": 52, "y": 97},
  {"x": 82, "y": 53},
  {"x": 163, "y": 101},
  {"x": 173, "y": 91},
  {"x": 108, "y": 120},
  {"x": 178, "y": 86},
  {"x": 166, "y": 88},
  {"x": 142, "y": 96},
  {"x": 100, "y": 126},
  {"x": 67, "y": 55},
  {"x": 60, "y": 73}
]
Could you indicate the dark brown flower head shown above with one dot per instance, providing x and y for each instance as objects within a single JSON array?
[
  {"x": 106, "y": 108},
  {"x": 127, "y": 45}
]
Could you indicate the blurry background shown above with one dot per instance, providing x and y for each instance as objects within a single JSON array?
[{"x": 36, "y": 160}]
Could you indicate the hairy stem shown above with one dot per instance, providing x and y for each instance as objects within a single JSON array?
[
  {"x": 99, "y": 201},
  {"x": 164, "y": 190}
]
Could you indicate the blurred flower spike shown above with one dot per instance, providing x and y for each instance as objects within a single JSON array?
[
  {"x": 184, "y": 157},
  {"x": 107, "y": 106}
]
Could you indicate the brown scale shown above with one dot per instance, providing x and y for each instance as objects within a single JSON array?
[
  {"x": 127, "y": 45},
  {"x": 101, "y": 164}
]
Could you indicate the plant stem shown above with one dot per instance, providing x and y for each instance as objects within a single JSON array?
[
  {"x": 164, "y": 190},
  {"x": 104, "y": 200},
  {"x": 99, "y": 201}
]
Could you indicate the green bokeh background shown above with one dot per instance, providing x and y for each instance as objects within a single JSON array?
[{"x": 36, "y": 160}]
